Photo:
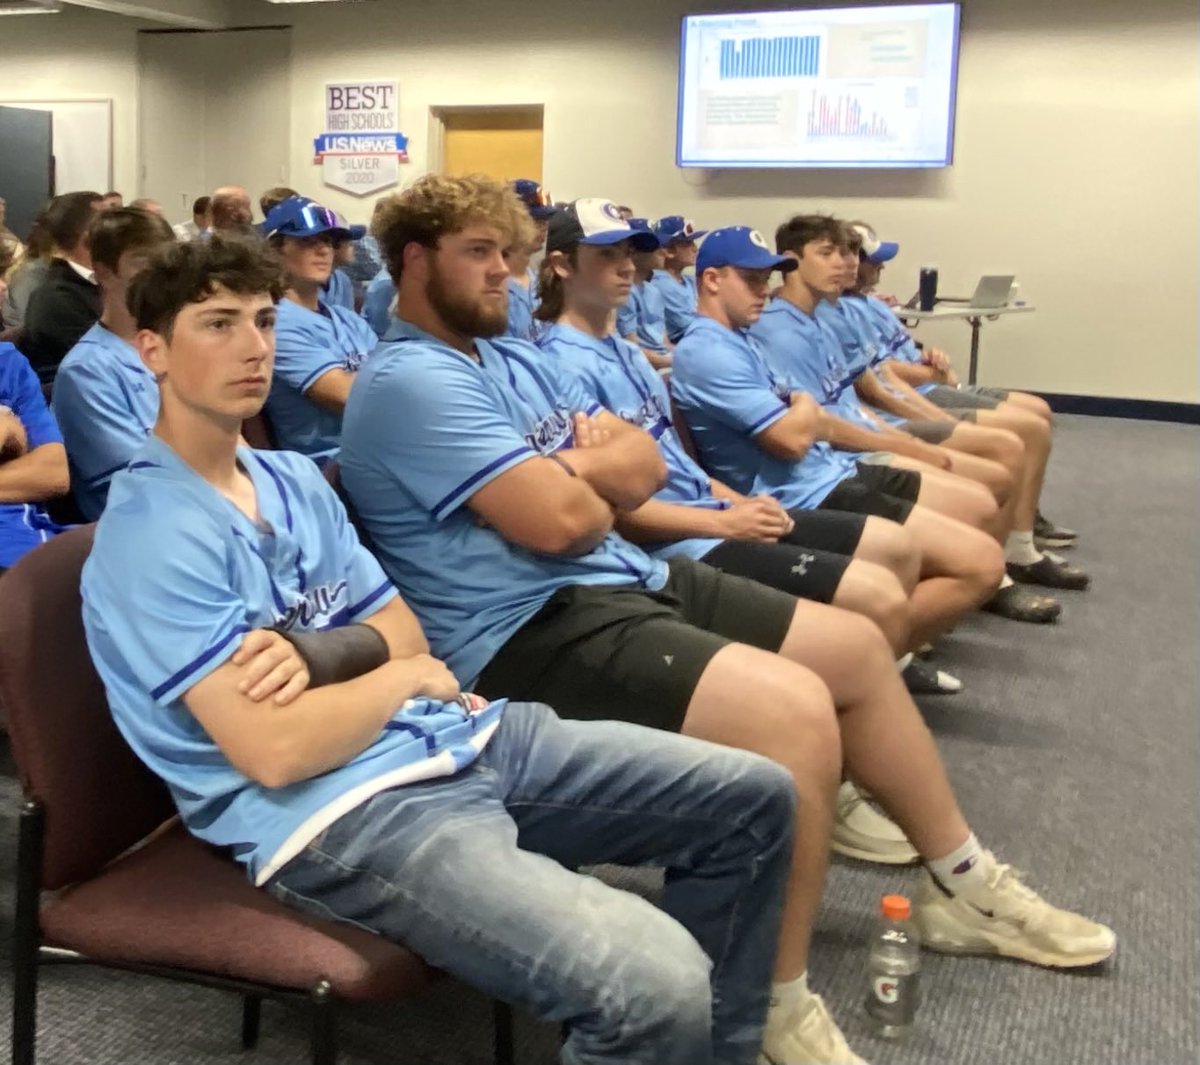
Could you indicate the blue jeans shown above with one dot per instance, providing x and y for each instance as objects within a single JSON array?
[{"x": 474, "y": 873}]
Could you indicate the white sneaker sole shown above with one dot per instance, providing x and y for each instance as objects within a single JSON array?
[
  {"x": 862, "y": 854},
  {"x": 966, "y": 941}
]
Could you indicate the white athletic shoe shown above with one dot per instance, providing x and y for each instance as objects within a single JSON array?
[
  {"x": 807, "y": 1035},
  {"x": 860, "y": 831},
  {"x": 1009, "y": 918}
]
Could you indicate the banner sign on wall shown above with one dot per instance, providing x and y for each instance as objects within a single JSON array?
[{"x": 361, "y": 151}]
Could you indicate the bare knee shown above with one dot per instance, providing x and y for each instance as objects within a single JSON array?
[
  {"x": 890, "y": 545},
  {"x": 986, "y": 566},
  {"x": 872, "y": 591}
]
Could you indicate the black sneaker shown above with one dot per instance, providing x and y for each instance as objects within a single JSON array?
[
  {"x": 1050, "y": 571},
  {"x": 1047, "y": 534},
  {"x": 1019, "y": 603},
  {"x": 923, "y": 679}
]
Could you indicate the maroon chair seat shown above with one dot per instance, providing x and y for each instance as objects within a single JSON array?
[{"x": 97, "y": 880}]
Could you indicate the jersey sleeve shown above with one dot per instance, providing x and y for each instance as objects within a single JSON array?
[
  {"x": 627, "y": 319},
  {"x": 725, "y": 382},
  {"x": 435, "y": 426},
  {"x": 158, "y": 581},
  {"x": 28, "y": 404},
  {"x": 301, "y": 358},
  {"x": 100, "y": 430}
]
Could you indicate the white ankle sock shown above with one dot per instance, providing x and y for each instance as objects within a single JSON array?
[
  {"x": 1020, "y": 550},
  {"x": 787, "y": 996},
  {"x": 903, "y": 662},
  {"x": 963, "y": 869},
  {"x": 1006, "y": 582}
]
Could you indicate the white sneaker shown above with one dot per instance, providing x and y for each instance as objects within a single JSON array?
[
  {"x": 860, "y": 831},
  {"x": 807, "y": 1035},
  {"x": 1006, "y": 917}
]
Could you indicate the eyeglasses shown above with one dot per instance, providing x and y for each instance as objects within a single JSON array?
[{"x": 311, "y": 217}]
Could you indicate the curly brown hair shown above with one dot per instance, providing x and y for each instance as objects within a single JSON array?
[{"x": 436, "y": 205}]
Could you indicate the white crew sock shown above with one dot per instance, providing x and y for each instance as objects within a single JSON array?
[
  {"x": 963, "y": 869},
  {"x": 903, "y": 662},
  {"x": 1005, "y": 582},
  {"x": 1020, "y": 549},
  {"x": 789, "y": 996}
]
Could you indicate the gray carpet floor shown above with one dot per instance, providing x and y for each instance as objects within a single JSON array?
[{"x": 1075, "y": 751}]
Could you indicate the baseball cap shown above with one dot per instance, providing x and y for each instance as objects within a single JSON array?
[
  {"x": 875, "y": 250},
  {"x": 742, "y": 247},
  {"x": 356, "y": 232},
  {"x": 594, "y": 221},
  {"x": 299, "y": 216},
  {"x": 536, "y": 199},
  {"x": 675, "y": 227}
]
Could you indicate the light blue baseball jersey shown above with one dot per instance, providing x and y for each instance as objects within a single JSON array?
[
  {"x": 339, "y": 290},
  {"x": 807, "y": 355},
  {"x": 426, "y": 428},
  {"x": 644, "y": 315},
  {"x": 23, "y": 526},
  {"x": 177, "y": 576},
  {"x": 728, "y": 394},
  {"x": 309, "y": 344},
  {"x": 106, "y": 403},
  {"x": 616, "y": 374},
  {"x": 895, "y": 342},
  {"x": 679, "y": 301},
  {"x": 521, "y": 301},
  {"x": 377, "y": 303}
]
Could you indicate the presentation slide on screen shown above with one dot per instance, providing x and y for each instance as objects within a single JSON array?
[{"x": 868, "y": 86}]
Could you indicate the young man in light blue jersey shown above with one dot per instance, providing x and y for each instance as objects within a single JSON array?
[
  {"x": 642, "y": 318},
  {"x": 258, "y": 660},
  {"x": 105, "y": 400},
  {"x": 489, "y": 483},
  {"x": 319, "y": 347},
  {"x": 522, "y": 277},
  {"x": 33, "y": 462},
  {"x": 678, "y": 237},
  {"x": 928, "y": 371}
]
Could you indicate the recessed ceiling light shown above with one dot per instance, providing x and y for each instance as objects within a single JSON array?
[{"x": 30, "y": 7}]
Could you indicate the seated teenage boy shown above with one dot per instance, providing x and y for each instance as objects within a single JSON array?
[
  {"x": 642, "y": 318},
  {"x": 522, "y": 278},
  {"x": 256, "y": 657},
  {"x": 678, "y": 237},
  {"x": 319, "y": 345},
  {"x": 489, "y": 485},
  {"x": 33, "y": 463},
  {"x": 928, "y": 371},
  {"x": 105, "y": 400}
]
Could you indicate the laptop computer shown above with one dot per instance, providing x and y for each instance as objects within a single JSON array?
[{"x": 992, "y": 291}]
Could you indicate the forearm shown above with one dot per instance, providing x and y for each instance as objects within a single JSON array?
[
  {"x": 893, "y": 400},
  {"x": 916, "y": 402},
  {"x": 625, "y": 472},
  {"x": 35, "y": 476},
  {"x": 913, "y": 374},
  {"x": 848, "y": 436},
  {"x": 658, "y": 522}
]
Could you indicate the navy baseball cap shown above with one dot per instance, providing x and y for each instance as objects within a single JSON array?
[
  {"x": 677, "y": 228},
  {"x": 299, "y": 216},
  {"x": 536, "y": 199},
  {"x": 742, "y": 247},
  {"x": 875, "y": 250},
  {"x": 594, "y": 221}
]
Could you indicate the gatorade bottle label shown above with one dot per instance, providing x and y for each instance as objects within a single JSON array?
[{"x": 893, "y": 1000}]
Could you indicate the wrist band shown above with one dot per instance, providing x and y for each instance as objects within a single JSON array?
[
  {"x": 563, "y": 463},
  {"x": 338, "y": 655}
]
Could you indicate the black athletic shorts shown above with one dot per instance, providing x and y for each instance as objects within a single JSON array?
[
  {"x": 932, "y": 432},
  {"x": 826, "y": 530},
  {"x": 622, "y": 653},
  {"x": 805, "y": 572},
  {"x": 969, "y": 397},
  {"x": 883, "y": 491}
]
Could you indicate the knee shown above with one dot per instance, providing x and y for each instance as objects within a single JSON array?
[
  {"x": 797, "y": 715},
  {"x": 987, "y": 570},
  {"x": 1010, "y": 451},
  {"x": 893, "y": 614},
  {"x": 898, "y": 552}
]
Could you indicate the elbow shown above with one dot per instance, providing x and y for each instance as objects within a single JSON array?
[
  {"x": 574, "y": 531},
  {"x": 276, "y": 765},
  {"x": 651, "y": 477},
  {"x": 794, "y": 448}
]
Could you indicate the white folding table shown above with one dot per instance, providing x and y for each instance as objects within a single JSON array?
[{"x": 973, "y": 316}]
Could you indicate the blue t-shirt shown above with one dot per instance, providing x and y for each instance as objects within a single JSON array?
[
  {"x": 339, "y": 290},
  {"x": 521, "y": 301},
  {"x": 308, "y": 344},
  {"x": 616, "y": 374},
  {"x": 644, "y": 315},
  {"x": 426, "y": 428},
  {"x": 679, "y": 301},
  {"x": 106, "y": 403},
  {"x": 727, "y": 393},
  {"x": 807, "y": 355},
  {"x": 377, "y": 303},
  {"x": 177, "y": 576},
  {"x": 24, "y": 525}
]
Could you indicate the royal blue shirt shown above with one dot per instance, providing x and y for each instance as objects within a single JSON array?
[
  {"x": 308, "y": 344},
  {"x": 616, "y": 374},
  {"x": 426, "y": 428},
  {"x": 679, "y": 301},
  {"x": 177, "y": 576},
  {"x": 106, "y": 403},
  {"x": 726, "y": 391},
  {"x": 24, "y": 525}
]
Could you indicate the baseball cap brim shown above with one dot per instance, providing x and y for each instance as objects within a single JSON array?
[
  {"x": 358, "y": 232},
  {"x": 887, "y": 250},
  {"x": 758, "y": 259},
  {"x": 681, "y": 238},
  {"x": 639, "y": 238}
]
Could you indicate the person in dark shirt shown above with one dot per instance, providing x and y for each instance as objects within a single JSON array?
[{"x": 67, "y": 303}]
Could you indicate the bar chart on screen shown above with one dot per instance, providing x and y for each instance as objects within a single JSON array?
[{"x": 844, "y": 115}]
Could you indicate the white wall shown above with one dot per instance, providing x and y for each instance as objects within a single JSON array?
[
  {"x": 77, "y": 55},
  {"x": 1076, "y": 156}
]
